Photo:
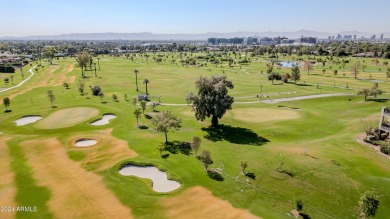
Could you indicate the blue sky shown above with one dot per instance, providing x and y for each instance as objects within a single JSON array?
[{"x": 48, "y": 17}]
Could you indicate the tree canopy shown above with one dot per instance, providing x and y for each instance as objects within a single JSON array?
[
  {"x": 83, "y": 59},
  {"x": 212, "y": 99},
  {"x": 295, "y": 74},
  {"x": 368, "y": 205},
  {"x": 6, "y": 103},
  {"x": 166, "y": 121}
]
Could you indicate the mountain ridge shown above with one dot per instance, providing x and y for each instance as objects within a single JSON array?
[{"x": 147, "y": 36}]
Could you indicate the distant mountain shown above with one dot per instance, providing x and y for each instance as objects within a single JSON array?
[{"x": 151, "y": 36}]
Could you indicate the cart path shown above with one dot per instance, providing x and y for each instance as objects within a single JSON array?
[
  {"x": 21, "y": 83},
  {"x": 270, "y": 101}
]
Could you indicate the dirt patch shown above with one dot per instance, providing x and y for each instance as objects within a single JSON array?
[
  {"x": 107, "y": 152},
  {"x": 7, "y": 188},
  {"x": 257, "y": 115},
  {"x": 75, "y": 192},
  {"x": 72, "y": 79},
  {"x": 198, "y": 202},
  {"x": 67, "y": 117}
]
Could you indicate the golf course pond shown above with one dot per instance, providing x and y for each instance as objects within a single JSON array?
[
  {"x": 161, "y": 183},
  {"x": 288, "y": 64}
]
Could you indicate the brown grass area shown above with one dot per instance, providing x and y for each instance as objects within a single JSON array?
[
  {"x": 45, "y": 78},
  {"x": 67, "y": 117},
  {"x": 72, "y": 79},
  {"x": 7, "y": 188},
  {"x": 257, "y": 115},
  {"x": 75, "y": 192},
  {"x": 198, "y": 202},
  {"x": 62, "y": 77},
  {"x": 106, "y": 153}
]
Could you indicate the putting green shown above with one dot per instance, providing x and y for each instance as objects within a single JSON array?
[
  {"x": 67, "y": 117},
  {"x": 257, "y": 115}
]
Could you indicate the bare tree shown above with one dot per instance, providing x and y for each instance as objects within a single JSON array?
[
  {"x": 307, "y": 66},
  {"x": 355, "y": 69}
]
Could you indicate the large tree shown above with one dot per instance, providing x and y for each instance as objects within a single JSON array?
[
  {"x": 50, "y": 53},
  {"x": 274, "y": 76},
  {"x": 6, "y": 103},
  {"x": 374, "y": 91},
  {"x": 136, "y": 78},
  {"x": 295, "y": 74},
  {"x": 212, "y": 99},
  {"x": 83, "y": 59},
  {"x": 166, "y": 121},
  {"x": 307, "y": 66}
]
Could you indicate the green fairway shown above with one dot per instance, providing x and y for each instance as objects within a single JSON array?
[{"x": 313, "y": 140}]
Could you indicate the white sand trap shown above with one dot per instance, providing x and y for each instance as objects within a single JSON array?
[
  {"x": 159, "y": 178},
  {"x": 27, "y": 120},
  {"x": 85, "y": 142},
  {"x": 104, "y": 120}
]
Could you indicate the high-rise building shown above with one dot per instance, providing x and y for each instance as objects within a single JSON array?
[
  {"x": 212, "y": 41},
  {"x": 311, "y": 40},
  {"x": 382, "y": 37},
  {"x": 354, "y": 37}
]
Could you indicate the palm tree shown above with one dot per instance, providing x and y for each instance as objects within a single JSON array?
[
  {"x": 136, "y": 78},
  {"x": 146, "y": 82}
]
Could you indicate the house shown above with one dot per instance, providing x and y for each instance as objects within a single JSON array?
[{"x": 384, "y": 122}]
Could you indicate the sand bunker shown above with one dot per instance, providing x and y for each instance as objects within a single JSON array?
[
  {"x": 159, "y": 178},
  {"x": 67, "y": 117},
  {"x": 104, "y": 120},
  {"x": 257, "y": 115},
  {"x": 27, "y": 120},
  {"x": 85, "y": 142}
]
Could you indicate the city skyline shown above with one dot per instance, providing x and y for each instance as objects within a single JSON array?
[{"x": 26, "y": 18}]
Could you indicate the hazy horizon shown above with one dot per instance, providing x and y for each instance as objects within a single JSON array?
[{"x": 33, "y": 18}]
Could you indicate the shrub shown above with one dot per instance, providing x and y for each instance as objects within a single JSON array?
[
  {"x": 215, "y": 175},
  {"x": 385, "y": 148},
  {"x": 299, "y": 205},
  {"x": 95, "y": 90}
]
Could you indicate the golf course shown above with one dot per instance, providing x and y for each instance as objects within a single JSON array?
[{"x": 73, "y": 154}]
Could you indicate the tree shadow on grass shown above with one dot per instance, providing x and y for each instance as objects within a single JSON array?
[
  {"x": 304, "y": 85},
  {"x": 175, "y": 147},
  {"x": 304, "y": 215},
  {"x": 235, "y": 135},
  {"x": 377, "y": 100}
]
